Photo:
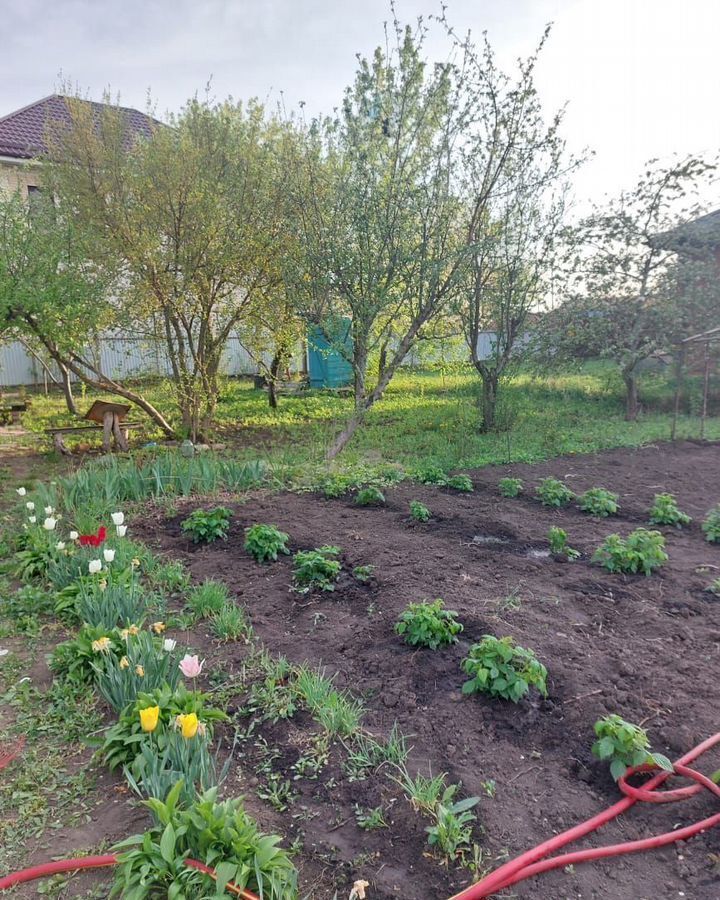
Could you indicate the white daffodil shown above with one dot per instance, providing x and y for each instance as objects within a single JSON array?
[
  {"x": 109, "y": 555},
  {"x": 74, "y": 535},
  {"x": 94, "y": 566},
  {"x": 169, "y": 645},
  {"x": 21, "y": 491},
  {"x": 49, "y": 524},
  {"x": 118, "y": 518},
  {"x": 30, "y": 505},
  {"x": 121, "y": 530}
]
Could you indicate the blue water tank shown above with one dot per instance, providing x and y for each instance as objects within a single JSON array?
[{"x": 327, "y": 366}]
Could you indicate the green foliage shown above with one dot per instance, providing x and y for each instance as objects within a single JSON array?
[
  {"x": 623, "y": 745},
  {"x": 264, "y": 542},
  {"x": 206, "y": 526},
  {"x": 599, "y": 502},
  {"x": 316, "y": 569},
  {"x": 664, "y": 511},
  {"x": 25, "y": 607},
  {"x": 552, "y": 492},
  {"x": 122, "y": 740},
  {"x": 363, "y": 574},
  {"x": 221, "y": 835},
  {"x": 336, "y": 711},
  {"x": 74, "y": 659},
  {"x": 461, "y": 483},
  {"x": 370, "y": 819},
  {"x": 366, "y": 754},
  {"x": 185, "y": 761},
  {"x": 370, "y": 496},
  {"x": 428, "y": 624},
  {"x": 451, "y": 830},
  {"x": 208, "y": 598},
  {"x": 711, "y": 525},
  {"x": 423, "y": 793},
  {"x": 431, "y": 474},
  {"x": 419, "y": 511},
  {"x": 109, "y": 601},
  {"x": 500, "y": 668},
  {"x": 510, "y": 487},
  {"x": 558, "y": 540},
  {"x": 231, "y": 624},
  {"x": 642, "y": 551},
  {"x": 171, "y": 576}
]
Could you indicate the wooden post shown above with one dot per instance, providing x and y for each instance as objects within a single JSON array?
[
  {"x": 119, "y": 434},
  {"x": 108, "y": 421}
]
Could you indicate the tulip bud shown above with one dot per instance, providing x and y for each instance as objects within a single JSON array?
[
  {"x": 109, "y": 555},
  {"x": 117, "y": 518},
  {"x": 94, "y": 566}
]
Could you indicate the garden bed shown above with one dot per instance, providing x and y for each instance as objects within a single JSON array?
[{"x": 646, "y": 648}]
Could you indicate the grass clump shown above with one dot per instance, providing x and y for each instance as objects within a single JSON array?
[
  {"x": 642, "y": 551},
  {"x": 500, "y": 668},
  {"x": 208, "y": 598},
  {"x": 599, "y": 502},
  {"x": 230, "y": 623},
  {"x": 510, "y": 487},
  {"x": 665, "y": 511},
  {"x": 265, "y": 542},
  {"x": 429, "y": 625},
  {"x": 552, "y": 492}
]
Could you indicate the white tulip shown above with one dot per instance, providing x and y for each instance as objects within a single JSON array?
[
  {"x": 169, "y": 645},
  {"x": 30, "y": 505},
  {"x": 74, "y": 535},
  {"x": 32, "y": 519},
  {"x": 94, "y": 566},
  {"x": 118, "y": 518},
  {"x": 49, "y": 510},
  {"x": 60, "y": 545},
  {"x": 49, "y": 524},
  {"x": 21, "y": 491},
  {"x": 121, "y": 530},
  {"x": 109, "y": 555}
]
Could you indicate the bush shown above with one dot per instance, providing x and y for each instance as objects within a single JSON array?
[
  {"x": 552, "y": 492},
  {"x": 502, "y": 669},
  {"x": 316, "y": 569},
  {"x": 207, "y": 598},
  {"x": 664, "y": 511},
  {"x": 264, "y": 542},
  {"x": 431, "y": 475},
  {"x": 221, "y": 835},
  {"x": 461, "y": 483},
  {"x": 205, "y": 526},
  {"x": 642, "y": 551},
  {"x": 370, "y": 496},
  {"x": 711, "y": 525},
  {"x": 599, "y": 502},
  {"x": 428, "y": 625},
  {"x": 510, "y": 487},
  {"x": 419, "y": 511},
  {"x": 623, "y": 745}
]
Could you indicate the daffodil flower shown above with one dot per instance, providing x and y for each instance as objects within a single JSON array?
[
  {"x": 102, "y": 645},
  {"x": 149, "y": 718},
  {"x": 139, "y": 671},
  {"x": 124, "y": 663},
  {"x": 159, "y": 627}
]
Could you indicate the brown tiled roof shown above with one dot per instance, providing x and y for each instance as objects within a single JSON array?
[{"x": 23, "y": 132}]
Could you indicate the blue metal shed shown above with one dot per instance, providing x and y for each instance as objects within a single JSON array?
[{"x": 327, "y": 366}]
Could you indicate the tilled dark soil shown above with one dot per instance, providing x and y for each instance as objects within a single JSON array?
[{"x": 646, "y": 648}]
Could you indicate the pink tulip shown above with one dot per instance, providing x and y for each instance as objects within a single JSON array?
[{"x": 191, "y": 666}]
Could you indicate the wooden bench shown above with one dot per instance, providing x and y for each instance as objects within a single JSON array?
[
  {"x": 10, "y": 412},
  {"x": 121, "y": 442}
]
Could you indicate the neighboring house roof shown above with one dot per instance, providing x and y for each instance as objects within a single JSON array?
[
  {"x": 695, "y": 236},
  {"x": 23, "y": 133}
]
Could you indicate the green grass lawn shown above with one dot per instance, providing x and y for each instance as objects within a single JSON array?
[{"x": 432, "y": 417}]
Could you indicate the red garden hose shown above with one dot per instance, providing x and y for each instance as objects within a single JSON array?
[{"x": 533, "y": 862}]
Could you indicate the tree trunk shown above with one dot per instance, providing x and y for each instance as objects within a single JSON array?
[
  {"x": 490, "y": 382},
  {"x": 67, "y": 389},
  {"x": 275, "y": 368},
  {"x": 632, "y": 402}
]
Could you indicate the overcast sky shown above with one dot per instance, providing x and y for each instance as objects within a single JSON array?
[{"x": 641, "y": 77}]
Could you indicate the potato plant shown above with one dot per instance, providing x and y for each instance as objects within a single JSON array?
[
  {"x": 558, "y": 540},
  {"x": 623, "y": 745},
  {"x": 500, "y": 668},
  {"x": 370, "y": 496},
  {"x": 265, "y": 542},
  {"x": 316, "y": 569},
  {"x": 642, "y": 551},
  {"x": 664, "y": 511},
  {"x": 552, "y": 492},
  {"x": 419, "y": 511},
  {"x": 711, "y": 525},
  {"x": 510, "y": 487},
  {"x": 462, "y": 483},
  {"x": 428, "y": 624},
  {"x": 599, "y": 502},
  {"x": 206, "y": 526}
]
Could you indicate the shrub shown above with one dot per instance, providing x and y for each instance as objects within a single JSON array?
[
  {"x": 431, "y": 475},
  {"x": 205, "y": 526},
  {"x": 552, "y": 492},
  {"x": 461, "y": 483},
  {"x": 221, "y": 835},
  {"x": 711, "y": 525},
  {"x": 370, "y": 496},
  {"x": 231, "y": 623},
  {"x": 428, "y": 625},
  {"x": 510, "y": 487},
  {"x": 264, "y": 542},
  {"x": 558, "y": 540},
  {"x": 599, "y": 502},
  {"x": 316, "y": 569},
  {"x": 207, "y": 598},
  {"x": 623, "y": 745},
  {"x": 642, "y": 551},
  {"x": 664, "y": 511},
  {"x": 499, "y": 667},
  {"x": 419, "y": 511},
  {"x": 363, "y": 574}
]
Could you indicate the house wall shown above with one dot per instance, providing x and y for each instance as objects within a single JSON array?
[{"x": 14, "y": 176}]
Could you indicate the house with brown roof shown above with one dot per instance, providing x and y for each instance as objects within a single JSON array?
[{"x": 24, "y": 136}]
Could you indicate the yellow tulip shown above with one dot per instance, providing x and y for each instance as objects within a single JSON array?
[
  {"x": 149, "y": 718},
  {"x": 189, "y": 725}
]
